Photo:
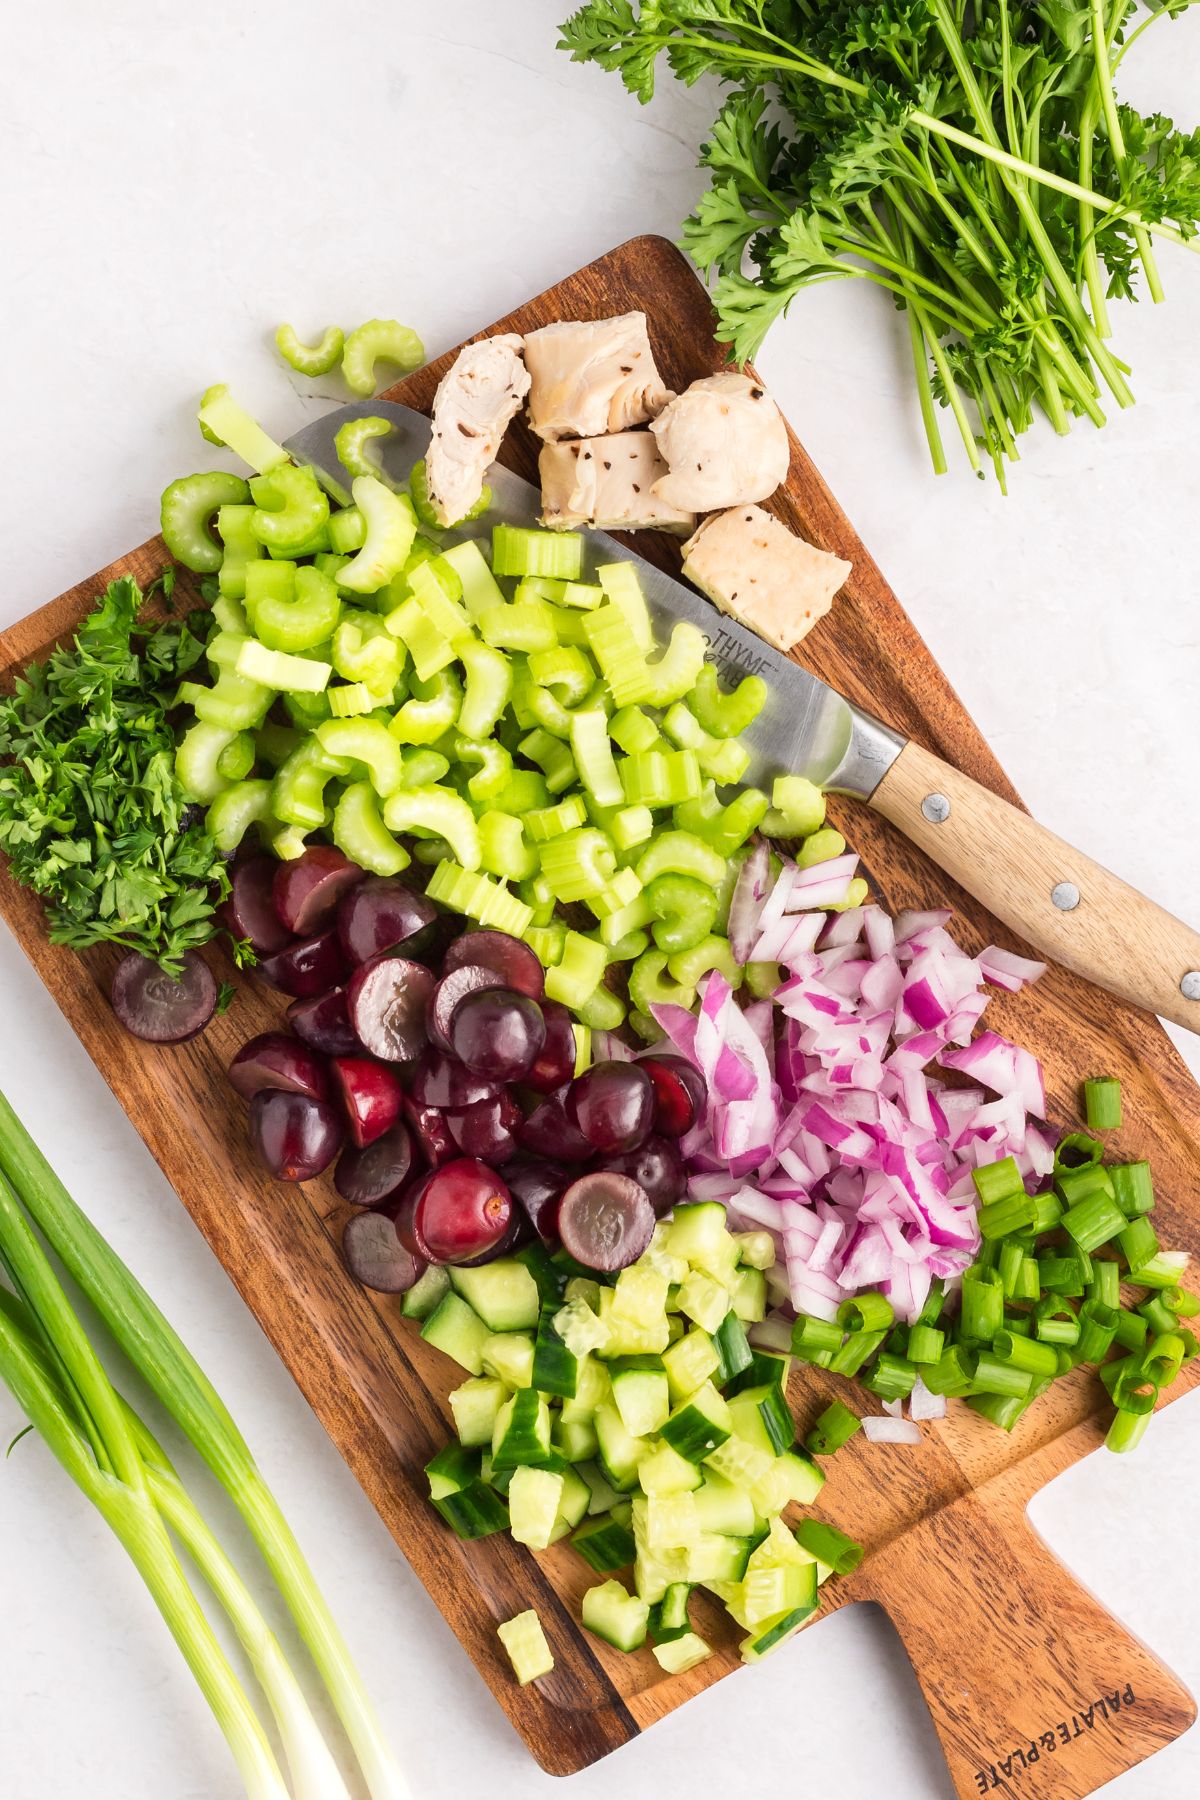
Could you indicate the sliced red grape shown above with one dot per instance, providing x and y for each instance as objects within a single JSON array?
[
  {"x": 657, "y": 1167},
  {"x": 276, "y": 1060},
  {"x": 376, "y": 1257},
  {"x": 519, "y": 1232},
  {"x": 680, "y": 1095},
  {"x": 324, "y": 1022},
  {"x": 463, "y": 1211},
  {"x": 538, "y": 1186},
  {"x": 471, "y": 978},
  {"x": 605, "y": 1221},
  {"x": 554, "y": 1064},
  {"x": 307, "y": 967},
  {"x": 380, "y": 914},
  {"x": 548, "y": 1132},
  {"x": 249, "y": 912},
  {"x": 498, "y": 1033},
  {"x": 404, "y": 1211},
  {"x": 487, "y": 1129},
  {"x": 430, "y": 1133},
  {"x": 307, "y": 890},
  {"x": 158, "y": 1008},
  {"x": 612, "y": 1104},
  {"x": 515, "y": 961},
  {"x": 388, "y": 1001},
  {"x": 442, "y": 1081},
  {"x": 365, "y": 1177},
  {"x": 295, "y": 1137},
  {"x": 371, "y": 1095}
]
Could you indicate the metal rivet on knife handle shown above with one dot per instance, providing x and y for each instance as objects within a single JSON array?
[
  {"x": 1065, "y": 896},
  {"x": 935, "y": 808},
  {"x": 1189, "y": 987}
]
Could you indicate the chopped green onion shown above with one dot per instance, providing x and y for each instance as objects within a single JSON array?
[
  {"x": 925, "y": 1344},
  {"x": 1133, "y": 1189},
  {"x": 866, "y": 1312},
  {"x": 1102, "y": 1104},
  {"x": 1126, "y": 1431},
  {"x": 1094, "y": 1221},
  {"x": 833, "y": 1428},
  {"x": 829, "y": 1545},
  {"x": 982, "y": 1304}
]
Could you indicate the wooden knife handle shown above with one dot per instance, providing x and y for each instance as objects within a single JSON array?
[
  {"x": 1061, "y": 902},
  {"x": 1036, "y": 1691}
]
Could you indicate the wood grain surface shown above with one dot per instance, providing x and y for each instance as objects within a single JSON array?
[{"x": 1034, "y": 1690}]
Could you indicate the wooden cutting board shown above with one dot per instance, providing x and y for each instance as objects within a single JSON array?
[{"x": 1034, "y": 1689}]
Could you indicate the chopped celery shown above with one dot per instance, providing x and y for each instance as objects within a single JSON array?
[
  {"x": 680, "y": 853},
  {"x": 486, "y": 690},
  {"x": 350, "y": 443},
  {"x": 495, "y": 768},
  {"x": 797, "y": 808},
  {"x": 360, "y": 833},
  {"x": 674, "y": 674},
  {"x": 440, "y": 810},
  {"x": 615, "y": 647},
  {"x": 432, "y": 710},
  {"x": 347, "y": 530},
  {"x": 369, "y": 742},
  {"x": 479, "y": 587},
  {"x": 304, "y": 618},
  {"x": 235, "y": 810},
  {"x": 197, "y": 760},
  {"x": 187, "y": 506},
  {"x": 298, "y": 791},
  {"x": 624, "y": 591},
  {"x": 552, "y": 757},
  {"x": 594, "y": 758},
  {"x": 684, "y": 910},
  {"x": 546, "y": 822},
  {"x": 223, "y": 421},
  {"x": 660, "y": 778},
  {"x": 391, "y": 527},
  {"x": 481, "y": 898},
  {"x": 292, "y": 510},
  {"x": 722, "y": 759},
  {"x": 379, "y": 340},
  {"x": 310, "y": 359},
  {"x": 726, "y": 715},
  {"x": 691, "y": 966},
  {"x": 578, "y": 864},
  {"x": 502, "y": 847},
  {"x": 648, "y": 986},
  {"x": 287, "y": 674},
  {"x": 235, "y": 528},
  {"x": 518, "y": 625},
  {"x": 515, "y": 551},
  {"x": 577, "y": 974}
]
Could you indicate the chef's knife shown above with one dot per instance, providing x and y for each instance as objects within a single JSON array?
[{"x": 1058, "y": 900}]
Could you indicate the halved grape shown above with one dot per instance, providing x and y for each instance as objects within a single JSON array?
[
  {"x": 307, "y": 890},
  {"x": 657, "y": 1167},
  {"x": 376, "y": 1257},
  {"x": 276, "y": 1060},
  {"x": 366, "y": 1177},
  {"x": 380, "y": 914},
  {"x": 514, "y": 960},
  {"x": 295, "y": 1137},
  {"x": 487, "y": 1129},
  {"x": 430, "y": 1133},
  {"x": 388, "y": 1000},
  {"x": 548, "y": 1132},
  {"x": 442, "y": 1081},
  {"x": 463, "y": 1211},
  {"x": 449, "y": 992},
  {"x": 306, "y": 967},
  {"x": 249, "y": 912},
  {"x": 371, "y": 1095},
  {"x": 498, "y": 1033},
  {"x": 612, "y": 1104},
  {"x": 519, "y": 1232},
  {"x": 158, "y": 1008},
  {"x": 554, "y": 1064},
  {"x": 605, "y": 1221},
  {"x": 404, "y": 1212},
  {"x": 538, "y": 1186},
  {"x": 324, "y": 1022},
  {"x": 680, "y": 1095}
]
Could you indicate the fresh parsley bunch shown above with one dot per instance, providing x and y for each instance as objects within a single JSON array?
[
  {"x": 968, "y": 156},
  {"x": 91, "y": 816}
]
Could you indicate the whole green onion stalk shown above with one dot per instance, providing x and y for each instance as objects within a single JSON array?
[{"x": 57, "y": 1379}]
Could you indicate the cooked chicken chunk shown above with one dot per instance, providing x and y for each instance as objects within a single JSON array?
[
  {"x": 592, "y": 376},
  {"x": 608, "y": 482},
  {"x": 754, "y": 568},
  {"x": 724, "y": 442},
  {"x": 478, "y": 395}
]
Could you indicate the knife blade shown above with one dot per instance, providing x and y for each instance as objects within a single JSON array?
[{"x": 805, "y": 728}]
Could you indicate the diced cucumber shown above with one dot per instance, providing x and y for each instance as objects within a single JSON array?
[
  {"x": 691, "y": 1361},
  {"x": 697, "y": 1234},
  {"x": 620, "y": 1451},
  {"x": 772, "y": 1589},
  {"x": 425, "y": 1293},
  {"x": 525, "y": 1642},
  {"x": 508, "y": 1355},
  {"x": 533, "y": 1500},
  {"x": 620, "y": 1618},
  {"x": 680, "y": 1653},
  {"x": 605, "y": 1543},
  {"x": 572, "y": 1504},
  {"x": 805, "y": 1477},
  {"x": 605, "y": 1497},
  {"x": 660, "y": 1257},
  {"x": 591, "y": 1390},
  {"x": 581, "y": 1287},
  {"x": 578, "y": 1323},
  {"x": 750, "y": 1295},
  {"x": 522, "y": 1433},
  {"x": 475, "y": 1405},
  {"x": 762, "y": 1416},
  {"x": 669, "y": 1617},
  {"x": 575, "y": 1439},
  {"x": 768, "y": 1637},
  {"x": 663, "y": 1471},
  {"x": 469, "y": 1507},
  {"x": 739, "y": 1462},
  {"x": 732, "y": 1347},
  {"x": 704, "y": 1299},
  {"x": 714, "y": 1557},
  {"x": 639, "y": 1385},
  {"x": 699, "y": 1424},
  {"x": 453, "y": 1327},
  {"x": 548, "y": 1276},
  {"x": 654, "y": 1574},
  {"x": 504, "y": 1294},
  {"x": 724, "y": 1508},
  {"x": 671, "y": 1522},
  {"x": 756, "y": 1249},
  {"x": 764, "y": 1366},
  {"x": 779, "y": 1546},
  {"x": 555, "y": 1367}
]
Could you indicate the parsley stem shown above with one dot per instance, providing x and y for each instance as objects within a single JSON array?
[{"x": 1116, "y": 136}]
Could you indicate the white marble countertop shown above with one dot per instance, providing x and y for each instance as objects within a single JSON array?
[{"x": 171, "y": 187}]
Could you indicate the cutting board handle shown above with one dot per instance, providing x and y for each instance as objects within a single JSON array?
[
  {"x": 1061, "y": 902},
  {"x": 1035, "y": 1690}
]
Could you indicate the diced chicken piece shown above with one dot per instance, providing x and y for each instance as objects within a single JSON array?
[
  {"x": 761, "y": 573},
  {"x": 724, "y": 442},
  {"x": 607, "y": 482},
  {"x": 592, "y": 376},
  {"x": 477, "y": 396}
]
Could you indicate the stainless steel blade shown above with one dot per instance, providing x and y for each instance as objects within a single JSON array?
[{"x": 806, "y": 727}]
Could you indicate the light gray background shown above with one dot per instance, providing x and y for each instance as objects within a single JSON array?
[{"x": 173, "y": 183}]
